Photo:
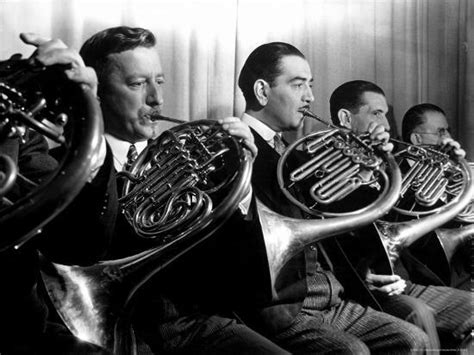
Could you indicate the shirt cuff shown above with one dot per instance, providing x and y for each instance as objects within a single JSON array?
[
  {"x": 99, "y": 160},
  {"x": 244, "y": 205}
]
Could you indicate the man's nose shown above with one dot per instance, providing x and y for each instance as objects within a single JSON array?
[
  {"x": 384, "y": 122},
  {"x": 444, "y": 132},
  {"x": 308, "y": 95},
  {"x": 154, "y": 95}
]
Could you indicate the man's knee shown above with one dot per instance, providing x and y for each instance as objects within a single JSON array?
[
  {"x": 414, "y": 340},
  {"x": 420, "y": 313},
  {"x": 356, "y": 348},
  {"x": 342, "y": 344}
]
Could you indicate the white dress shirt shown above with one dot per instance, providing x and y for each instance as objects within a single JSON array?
[
  {"x": 98, "y": 160},
  {"x": 120, "y": 149},
  {"x": 261, "y": 128}
]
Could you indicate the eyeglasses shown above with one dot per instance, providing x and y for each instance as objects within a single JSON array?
[{"x": 442, "y": 132}]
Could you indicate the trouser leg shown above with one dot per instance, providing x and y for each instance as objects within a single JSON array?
[
  {"x": 349, "y": 328},
  {"x": 381, "y": 332},
  {"x": 414, "y": 311},
  {"x": 452, "y": 309},
  {"x": 310, "y": 335},
  {"x": 202, "y": 334}
]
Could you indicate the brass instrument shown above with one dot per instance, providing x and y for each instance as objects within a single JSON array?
[
  {"x": 198, "y": 160},
  {"x": 42, "y": 98},
  {"x": 445, "y": 242},
  {"x": 432, "y": 175},
  {"x": 449, "y": 241},
  {"x": 467, "y": 215},
  {"x": 339, "y": 163},
  {"x": 432, "y": 180},
  {"x": 8, "y": 174},
  {"x": 181, "y": 189}
]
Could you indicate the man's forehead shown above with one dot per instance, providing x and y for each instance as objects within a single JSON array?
[
  {"x": 295, "y": 67},
  {"x": 135, "y": 62},
  {"x": 435, "y": 118},
  {"x": 373, "y": 99}
]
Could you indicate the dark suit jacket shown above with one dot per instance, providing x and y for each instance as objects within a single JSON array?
[{"x": 77, "y": 235}]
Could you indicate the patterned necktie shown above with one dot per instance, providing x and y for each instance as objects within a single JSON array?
[
  {"x": 132, "y": 155},
  {"x": 279, "y": 145}
]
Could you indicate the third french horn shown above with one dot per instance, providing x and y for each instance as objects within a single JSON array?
[{"x": 436, "y": 188}]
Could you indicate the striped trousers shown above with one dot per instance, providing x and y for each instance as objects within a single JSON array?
[
  {"x": 348, "y": 328},
  {"x": 171, "y": 328},
  {"x": 449, "y": 309}
]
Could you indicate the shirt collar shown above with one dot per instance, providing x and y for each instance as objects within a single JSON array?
[
  {"x": 120, "y": 149},
  {"x": 261, "y": 128}
]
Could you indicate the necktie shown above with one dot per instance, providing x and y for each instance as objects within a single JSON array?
[
  {"x": 132, "y": 155},
  {"x": 280, "y": 146}
]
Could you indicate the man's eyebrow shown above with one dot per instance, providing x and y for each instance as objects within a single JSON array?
[
  {"x": 137, "y": 74},
  {"x": 296, "y": 78}
]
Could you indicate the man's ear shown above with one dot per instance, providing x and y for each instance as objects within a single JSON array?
[
  {"x": 260, "y": 88},
  {"x": 415, "y": 138},
  {"x": 345, "y": 118}
]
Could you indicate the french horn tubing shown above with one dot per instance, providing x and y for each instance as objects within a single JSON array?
[
  {"x": 467, "y": 215},
  {"x": 41, "y": 98},
  {"x": 448, "y": 241},
  {"x": 181, "y": 189}
]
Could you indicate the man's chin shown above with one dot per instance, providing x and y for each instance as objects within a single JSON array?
[
  {"x": 153, "y": 131},
  {"x": 145, "y": 134},
  {"x": 299, "y": 122}
]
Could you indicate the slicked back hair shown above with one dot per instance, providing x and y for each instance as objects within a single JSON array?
[
  {"x": 263, "y": 63},
  {"x": 349, "y": 96},
  {"x": 414, "y": 117}
]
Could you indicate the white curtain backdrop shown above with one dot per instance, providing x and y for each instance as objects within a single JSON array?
[{"x": 416, "y": 50}]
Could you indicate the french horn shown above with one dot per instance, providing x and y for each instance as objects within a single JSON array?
[
  {"x": 436, "y": 188},
  {"x": 181, "y": 189},
  {"x": 338, "y": 163},
  {"x": 35, "y": 97},
  {"x": 467, "y": 215}
]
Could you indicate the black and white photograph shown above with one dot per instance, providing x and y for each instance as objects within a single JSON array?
[{"x": 218, "y": 177}]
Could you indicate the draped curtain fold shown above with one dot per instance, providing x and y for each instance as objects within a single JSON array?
[{"x": 416, "y": 50}]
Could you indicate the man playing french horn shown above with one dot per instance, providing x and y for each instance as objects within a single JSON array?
[
  {"x": 356, "y": 105},
  {"x": 308, "y": 312},
  {"x": 186, "y": 308},
  {"x": 26, "y": 327},
  {"x": 426, "y": 124}
]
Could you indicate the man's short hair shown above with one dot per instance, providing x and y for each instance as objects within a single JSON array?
[
  {"x": 113, "y": 40},
  {"x": 349, "y": 96},
  {"x": 263, "y": 63},
  {"x": 414, "y": 117}
]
